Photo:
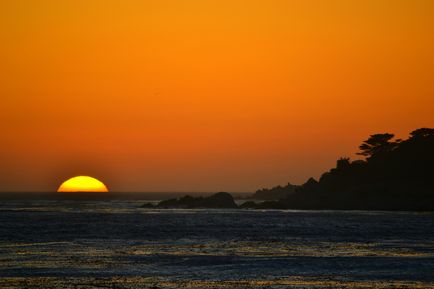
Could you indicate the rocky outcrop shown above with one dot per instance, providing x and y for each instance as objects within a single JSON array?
[
  {"x": 275, "y": 193},
  {"x": 221, "y": 200},
  {"x": 148, "y": 205}
]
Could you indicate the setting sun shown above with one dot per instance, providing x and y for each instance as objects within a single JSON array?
[{"x": 82, "y": 184}]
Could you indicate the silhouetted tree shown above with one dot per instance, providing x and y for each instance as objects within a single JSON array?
[
  {"x": 377, "y": 145},
  {"x": 343, "y": 163},
  {"x": 422, "y": 133}
]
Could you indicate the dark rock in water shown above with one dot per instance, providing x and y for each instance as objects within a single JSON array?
[
  {"x": 170, "y": 203},
  {"x": 183, "y": 202},
  {"x": 248, "y": 205},
  {"x": 277, "y": 205},
  {"x": 148, "y": 206},
  {"x": 217, "y": 201}
]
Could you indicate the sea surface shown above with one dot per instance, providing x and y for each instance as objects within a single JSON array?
[{"x": 117, "y": 244}]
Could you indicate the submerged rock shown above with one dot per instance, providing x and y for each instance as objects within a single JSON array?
[
  {"x": 248, "y": 205},
  {"x": 147, "y": 205}
]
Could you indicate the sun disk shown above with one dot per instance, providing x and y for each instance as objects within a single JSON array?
[{"x": 82, "y": 184}]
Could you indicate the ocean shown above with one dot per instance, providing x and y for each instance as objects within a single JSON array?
[{"x": 117, "y": 244}]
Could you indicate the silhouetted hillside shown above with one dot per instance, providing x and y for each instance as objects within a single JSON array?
[
  {"x": 396, "y": 175},
  {"x": 275, "y": 193}
]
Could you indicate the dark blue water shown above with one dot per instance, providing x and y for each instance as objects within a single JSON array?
[{"x": 116, "y": 242}]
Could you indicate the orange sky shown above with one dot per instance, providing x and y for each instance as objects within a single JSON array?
[{"x": 205, "y": 95}]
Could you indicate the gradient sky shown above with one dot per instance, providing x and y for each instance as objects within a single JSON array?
[{"x": 205, "y": 95}]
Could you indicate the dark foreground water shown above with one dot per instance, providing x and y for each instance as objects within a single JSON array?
[{"x": 116, "y": 244}]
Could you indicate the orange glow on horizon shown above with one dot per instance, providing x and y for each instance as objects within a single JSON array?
[
  {"x": 205, "y": 95},
  {"x": 82, "y": 184}
]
